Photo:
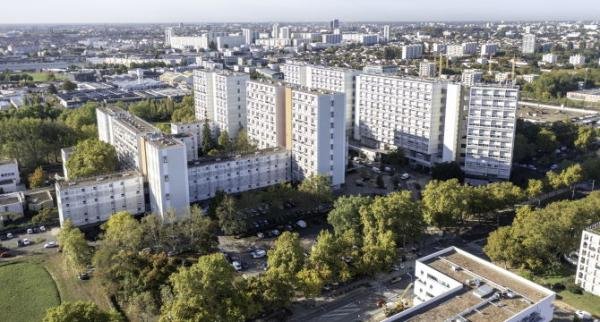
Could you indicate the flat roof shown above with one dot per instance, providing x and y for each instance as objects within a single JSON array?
[
  {"x": 211, "y": 160},
  {"x": 595, "y": 228},
  {"x": 476, "y": 302},
  {"x": 11, "y": 198},
  {"x": 8, "y": 161},
  {"x": 133, "y": 122},
  {"x": 92, "y": 181}
]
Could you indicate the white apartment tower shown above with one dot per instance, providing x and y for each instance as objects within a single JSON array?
[
  {"x": 491, "y": 116},
  {"x": 550, "y": 58},
  {"x": 489, "y": 49},
  {"x": 342, "y": 80},
  {"x": 316, "y": 134},
  {"x": 529, "y": 44},
  {"x": 396, "y": 112},
  {"x": 427, "y": 69},
  {"x": 588, "y": 267},
  {"x": 275, "y": 31},
  {"x": 220, "y": 96},
  {"x": 577, "y": 60},
  {"x": 265, "y": 113},
  {"x": 166, "y": 161},
  {"x": 471, "y": 77},
  {"x": 386, "y": 32},
  {"x": 414, "y": 51}
]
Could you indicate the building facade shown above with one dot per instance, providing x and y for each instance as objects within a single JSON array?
[
  {"x": 93, "y": 200},
  {"x": 414, "y": 51},
  {"x": 10, "y": 178},
  {"x": 529, "y": 44},
  {"x": 588, "y": 267},
  {"x": 265, "y": 104}
]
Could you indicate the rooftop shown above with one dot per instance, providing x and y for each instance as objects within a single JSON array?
[
  {"x": 11, "y": 198},
  {"x": 210, "y": 160},
  {"x": 8, "y": 161},
  {"x": 163, "y": 140},
  {"x": 133, "y": 122},
  {"x": 92, "y": 181},
  {"x": 496, "y": 295},
  {"x": 595, "y": 228}
]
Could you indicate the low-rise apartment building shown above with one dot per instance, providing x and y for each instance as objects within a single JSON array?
[{"x": 10, "y": 178}]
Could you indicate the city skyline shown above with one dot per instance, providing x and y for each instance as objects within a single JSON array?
[{"x": 155, "y": 11}]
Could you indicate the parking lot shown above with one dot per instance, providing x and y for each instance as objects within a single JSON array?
[{"x": 36, "y": 243}]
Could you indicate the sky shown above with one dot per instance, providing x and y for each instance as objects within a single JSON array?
[{"x": 170, "y": 11}]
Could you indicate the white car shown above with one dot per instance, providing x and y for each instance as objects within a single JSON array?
[
  {"x": 405, "y": 176},
  {"x": 583, "y": 315},
  {"x": 259, "y": 253},
  {"x": 236, "y": 265},
  {"x": 50, "y": 244},
  {"x": 26, "y": 242}
]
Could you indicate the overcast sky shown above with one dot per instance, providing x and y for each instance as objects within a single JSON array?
[{"x": 124, "y": 11}]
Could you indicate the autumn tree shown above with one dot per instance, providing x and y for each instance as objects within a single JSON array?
[
  {"x": 90, "y": 158},
  {"x": 76, "y": 251},
  {"x": 80, "y": 311},
  {"x": 37, "y": 178}
]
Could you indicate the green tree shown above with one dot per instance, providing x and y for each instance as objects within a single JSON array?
[
  {"x": 224, "y": 141},
  {"x": 286, "y": 258},
  {"x": 534, "y": 188},
  {"x": 68, "y": 86},
  {"x": 242, "y": 142},
  {"x": 447, "y": 171},
  {"x": 76, "y": 251},
  {"x": 591, "y": 168},
  {"x": 229, "y": 221},
  {"x": 205, "y": 292},
  {"x": 345, "y": 215},
  {"x": 586, "y": 135},
  {"x": 546, "y": 140},
  {"x": 45, "y": 216},
  {"x": 37, "y": 178},
  {"x": 207, "y": 140},
  {"x": 80, "y": 311},
  {"x": 92, "y": 157},
  {"x": 317, "y": 186},
  {"x": 566, "y": 178},
  {"x": 184, "y": 114},
  {"x": 523, "y": 149},
  {"x": 501, "y": 247},
  {"x": 444, "y": 203}
]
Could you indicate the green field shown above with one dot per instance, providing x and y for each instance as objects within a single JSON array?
[
  {"x": 43, "y": 76},
  {"x": 26, "y": 291}
]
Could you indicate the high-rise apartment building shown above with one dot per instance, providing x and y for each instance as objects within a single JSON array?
[
  {"x": 480, "y": 129},
  {"x": 265, "y": 104},
  {"x": 285, "y": 33},
  {"x": 125, "y": 132},
  {"x": 220, "y": 96},
  {"x": 588, "y": 266},
  {"x": 275, "y": 31},
  {"x": 249, "y": 35},
  {"x": 316, "y": 134},
  {"x": 166, "y": 161},
  {"x": 414, "y": 51},
  {"x": 334, "y": 24},
  {"x": 9, "y": 176},
  {"x": 471, "y": 77},
  {"x": 396, "y": 112},
  {"x": 489, "y": 49},
  {"x": 529, "y": 44},
  {"x": 577, "y": 60},
  {"x": 386, "y": 32},
  {"x": 427, "y": 69},
  {"x": 550, "y": 58},
  {"x": 334, "y": 79}
]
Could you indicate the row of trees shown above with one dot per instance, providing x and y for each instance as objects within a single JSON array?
[
  {"x": 165, "y": 110},
  {"x": 223, "y": 144},
  {"x": 35, "y": 134},
  {"x": 539, "y": 237},
  {"x": 534, "y": 140}
]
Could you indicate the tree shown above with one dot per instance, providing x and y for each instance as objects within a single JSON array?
[
  {"x": 444, "y": 203},
  {"x": 45, "y": 216},
  {"x": 75, "y": 248},
  {"x": 317, "y": 186},
  {"x": 591, "y": 168},
  {"x": 205, "y": 292},
  {"x": 68, "y": 86},
  {"x": 198, "y": 232},
  {"x": 90, "y": 158},
  {"x": 207, "y": 140},
  {"x": 586, "y": 135},
  {"x": 546, "y": 140},
  {"x": 224, "y": 141},
  {"x": 534, "y": 188},
  {"x": 229, "y": 221},
  {"x": 80, "y": 311},
  {"x": 394, "y": 157},
  {"x": 566, "y": 178},
  {"x": 501, "y": 247},
  {"x": 345, "y": 214},
  {"x": 242, "y": 142},
  {"x": 379, "y": 181},
  {"x": 184, "y": 114},
  {"x": 447, "y": 171},
  {"x": 286, "y": 258},
  {"x": 37, "y": 178},
  {"x": 523, "y": 149}
]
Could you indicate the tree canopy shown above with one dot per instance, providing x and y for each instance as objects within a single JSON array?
[{"x": 90, "y": 158}]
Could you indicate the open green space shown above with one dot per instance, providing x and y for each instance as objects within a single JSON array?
[
  {"x": 45, "y": 76},
  {"x": 27, "y": 290}
]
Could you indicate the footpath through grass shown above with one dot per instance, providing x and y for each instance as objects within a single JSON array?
[{"x": 26, "y": 291}]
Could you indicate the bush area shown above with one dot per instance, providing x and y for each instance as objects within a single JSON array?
[{"x": 27, "y": 290}]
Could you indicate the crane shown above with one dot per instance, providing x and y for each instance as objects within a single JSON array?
[{"x": 399, "y": 305}]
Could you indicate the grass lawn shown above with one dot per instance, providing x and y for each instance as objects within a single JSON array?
[
  {"x": 71, "y": 288},
  {"x": 586, "y": 301},
  {"x": 26, "y": 291},
  {"x": 43, "y": 76}
]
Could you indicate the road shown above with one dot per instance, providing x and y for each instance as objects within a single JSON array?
[{"x": 559, "y": 108}]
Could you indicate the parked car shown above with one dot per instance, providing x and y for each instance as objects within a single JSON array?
[
  {"x": 259, "y": 253},
  {"x": 583, "y": 315},
  {"x": 29, "y": 231},
  {"x": 84, "y": 276},
  {"x": 237, "y": 265},
  {"x": 42, "y": 228},
  {"x": 50, "y": 244},
  {"x": 405, "y": 176},
  {"x": 9, "y": 235}
]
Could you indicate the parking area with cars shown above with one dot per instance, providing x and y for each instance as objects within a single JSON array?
[{"x": 32, "y": 240}]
